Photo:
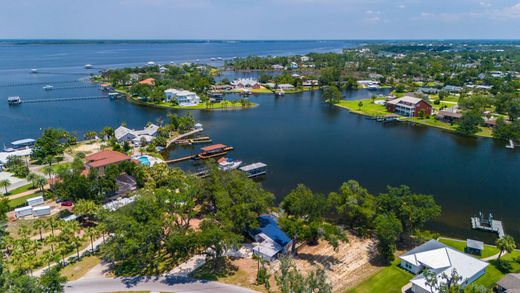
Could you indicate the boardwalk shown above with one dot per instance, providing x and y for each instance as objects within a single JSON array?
[{"x": 48, "y": 100}]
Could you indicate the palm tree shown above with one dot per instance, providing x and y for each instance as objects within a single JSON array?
[
  {"x": 506, "y": 243},
  {"x": 52, "y": 241},
  {"x": 41, "y": 182},
  {"x": 68, "y": 234},
  {"x": 5, "y": 183},
  {"x": 32, "y": 177},
  {"x": 40, "y": 225},
  {"x": 91, "y": 233},
  {"x": 48, "y": 256},
  {"x": 53, "y": 223},
  {"x": 49, "y": 170}
]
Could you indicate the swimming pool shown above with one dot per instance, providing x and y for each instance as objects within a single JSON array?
[{"x": 144, "y": 160}]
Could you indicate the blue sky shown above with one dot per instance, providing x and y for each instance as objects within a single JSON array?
[{"x": 260, "y": 19}]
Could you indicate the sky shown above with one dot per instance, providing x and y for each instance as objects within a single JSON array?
[{"x": 260, "y": 19}]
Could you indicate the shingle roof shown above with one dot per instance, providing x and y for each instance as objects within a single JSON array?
[{"x": 510, "y": 281}]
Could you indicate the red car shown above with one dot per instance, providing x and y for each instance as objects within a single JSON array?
[{"x": 67, "y": 203}]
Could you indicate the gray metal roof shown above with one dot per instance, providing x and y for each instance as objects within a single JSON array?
[{"x": 510, "y": 281}]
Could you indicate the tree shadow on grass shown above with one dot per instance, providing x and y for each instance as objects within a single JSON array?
[
  {"x": 326, "y": 261},
  {"x": 214, "y": 269}
]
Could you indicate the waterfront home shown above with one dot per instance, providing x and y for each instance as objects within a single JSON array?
[
  {"x": 221, "y": 87},
  {"x": 147, "y": 134},
  {"x": 409, "y": 106},
  {"x": 368, "y": 83},
  {"x": 284, "y": 86},
  {"x": 311, "y": 82},
  {"x": 440, "y": 258},
  {"x": 448, "y": 115},
  {"x": 103, "y": 159},
  {"x": 428, "y": 90},
  {"x": 148, "y": 81},
  {"x": 182, "y": 97},
  {"x": 277, "y": 67},
  {"x": 246, "y": 83},
  {"x": 305, "y": 58},
  {"x": 270, "y": 240},
  {"x": 510, "y": 283},
  {"x": 293, "y": 65}
]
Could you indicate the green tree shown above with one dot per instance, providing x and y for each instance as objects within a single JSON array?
[
  {"x": 89, "y": 135},
  {"x": 52, "y": 281},
  {"x": 506, "y": 243},
  {"x": 332, "y": 94},
  {"x": 388, "y": 229},
  {"x": 40, "y": 225},
  {"x": 5, "y": 184},
  {"x": 360, "y": 104},
  {"x": 51, "y": 144},
  {"x": 469, "y": 122}
]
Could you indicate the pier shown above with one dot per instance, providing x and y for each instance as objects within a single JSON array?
[
  {"x": 173, "y": 140},
  {"x": 47, "y": 100},
  {"x": 488, "y": 225},
  {"x": 209, "y": 152}
]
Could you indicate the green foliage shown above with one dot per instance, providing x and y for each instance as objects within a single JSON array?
[
  {"x": 332, "y": 94},
  {"x": 388, "y": 229},
  {"x": 290, "y": 280},
  {"x": 51, "y": 144},
  {"x": 17, "y": 166},
  {"x": 505, "y": 243},
  {"x": 51, "y": 281}
]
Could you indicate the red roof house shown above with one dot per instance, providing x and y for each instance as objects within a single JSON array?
[
  {"x": 104, "y": 158},
  {"x": 148, "y": 81}
]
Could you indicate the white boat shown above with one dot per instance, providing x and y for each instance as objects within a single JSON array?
[
  {"x": 151, "y": 63},
  {"x": 227, "y": 164},
  {"x": 511, "y": 144},
  {"x": 34, "y": 70},
  {"x": 219, "y": 58},
  {"x": 88, "y": 66},
  {"x": 14, "y": 100},
  {"x": 279, "y": 93},
  {"x": 48, "y": 87},
  {"x": 213, "y": 59}
]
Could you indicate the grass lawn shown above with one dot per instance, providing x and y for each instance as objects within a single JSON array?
[
  {"x": 202, "y": 106},
  {"x": 22, "y": 189},
  {"x": 389, "y": 279},
  {"x": 493, "y": 274},
  {"x": 368, "y": 108},
  {"x": 489, "y": 250},
  {"x": 21, "y": 200},
  {"x": 78, "y": 269}
]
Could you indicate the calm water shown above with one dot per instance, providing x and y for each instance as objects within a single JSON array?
[{"x": 302, "y": 139}]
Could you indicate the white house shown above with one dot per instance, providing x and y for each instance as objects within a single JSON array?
[
  {"x": 440, "y": 258},
  {"x": 270, "y": 240},
  {"x": 183, "y": 98},
  {"x": 245, "y": 83},
  {"x": 123, "y": 134}
]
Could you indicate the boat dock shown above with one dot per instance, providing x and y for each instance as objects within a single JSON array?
[
  {"x": 387, "y": 118},
  {"x": 488, "y": 225},
  {"x": 182, "y": 136},
  {"x": 207, "y": 153}
]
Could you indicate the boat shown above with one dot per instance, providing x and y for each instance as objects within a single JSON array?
[
  {"x": 34, "y": 70},
  {"x": 88, "y": 66},
  {"x": 150, "y": 63},
  {"x": 511, "y": 144},
  {"x": 219, "y": 58},
  {"x": 48, "y": 87},
  {"x": 113, "y": 95},
  {"x": 213, "y": 59},
  {"x": 245, "y": 93},
  {"x": 14, "y": 100},
  {"x": 228, "y": 164},
  {"x": 255, "y": 169},
  {"x": 279, "y": 93}
]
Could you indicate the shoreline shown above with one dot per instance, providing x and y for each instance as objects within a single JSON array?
[
  {"x": 192, "y": 108},
  {"x": 414, "y": 121}
]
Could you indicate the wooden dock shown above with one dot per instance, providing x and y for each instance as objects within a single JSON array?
[
  {"x": 187, "y": 134},
  {"x": 495, "y": 226},
  {"x": 201, "y": 156}
]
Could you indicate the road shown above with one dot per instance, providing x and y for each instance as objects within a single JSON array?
[{"x": 153, "y": 284}]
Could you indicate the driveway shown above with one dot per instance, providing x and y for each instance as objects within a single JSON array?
[{"x": 153, "y": 284}]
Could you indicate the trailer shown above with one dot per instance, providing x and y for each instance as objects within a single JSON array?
[
  {"x": 35, "y": 201},
  {"x": 41, "y": 211},
  {"x": 23, "y": 211}
]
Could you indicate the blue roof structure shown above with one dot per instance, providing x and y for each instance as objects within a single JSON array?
[{"x": 269, "y": 226}]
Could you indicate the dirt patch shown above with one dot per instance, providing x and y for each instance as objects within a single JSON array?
[{"x": 346, "y": 266}]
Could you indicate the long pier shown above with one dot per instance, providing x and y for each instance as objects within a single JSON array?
[
  {"x": 201, "y": 156},
  {"x": 76, "y": 87},
  {"x": 64, "y": 99}
]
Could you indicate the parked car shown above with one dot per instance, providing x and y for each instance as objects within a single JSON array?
[{"x": 67, "y": 203}]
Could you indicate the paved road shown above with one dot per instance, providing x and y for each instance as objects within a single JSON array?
[{"x": 153, "y": 284}]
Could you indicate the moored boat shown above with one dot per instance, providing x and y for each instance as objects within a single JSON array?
[{"x": 228, "y": 164}]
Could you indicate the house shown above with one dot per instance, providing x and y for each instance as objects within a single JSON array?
[
  {"x": 448, "y": 116},
  {"x": 409, "y": 106},
  {"x": 123, "y": 134},
  {"x": 293, "y": 65},
  {"x": 285, "y": 86},
  {"x": 148, "y": 81},
  {"x": 368, "y": 83},
  {"x": 305, "y": 58},
  {"x": 428, "y": 90},
  {"x": 246, "y": 83},
  {"x": 510, "y": 283},
  {"x": 103, "y": 159},
  {"x": 182, "y": 97},
  {"x": 311, "y": 82},
  {"x": 271, "y": 241},
  {"x": 277, "y": 67},
  {"x": 452, "y": 89},
  {"x": 440, "y": 258},
  {"x": 474, "y": 247}
]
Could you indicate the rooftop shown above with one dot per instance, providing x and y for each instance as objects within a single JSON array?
[
  {"x": 269, "y": 226},
  {"x": 214, "y": 147},
  {"x": 105, "y": 158}
]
